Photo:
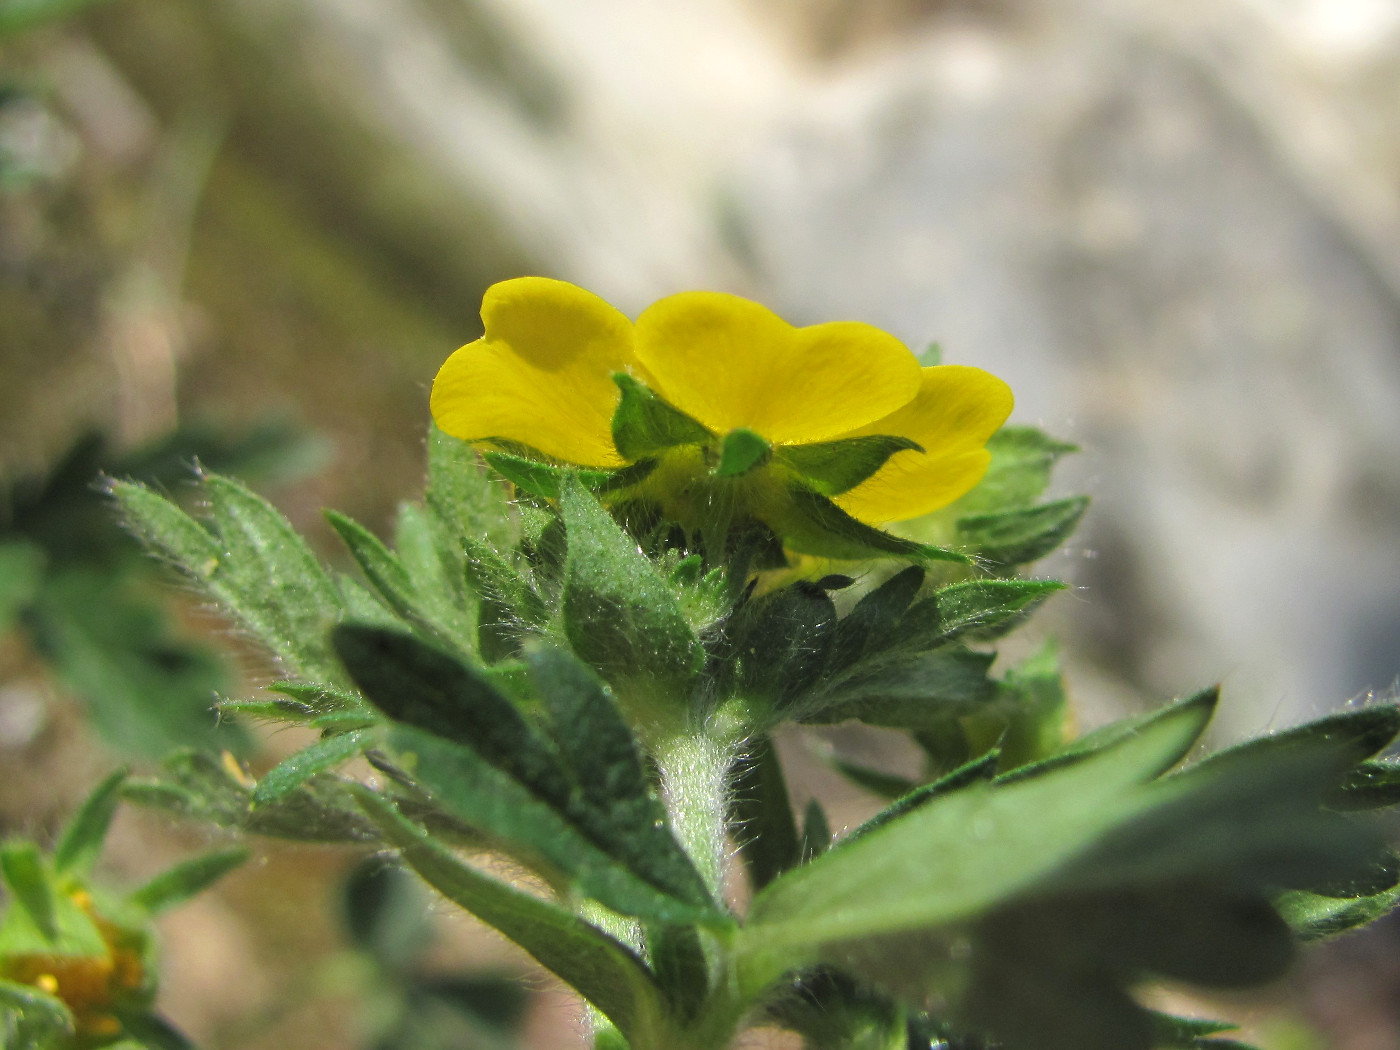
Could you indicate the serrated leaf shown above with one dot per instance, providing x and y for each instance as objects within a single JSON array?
[
  {"x": 464, "y": 501},
  {"x": 1314, "y": 916},
  {"x": 509, "y": 605},
  {"x": 834, "y": 467},
  {"x": 975, "y": 606},
  {"x": 187, "y": 879},
  {"x": 904, "y": 690},
  {"x": 1018, "y": 537},
  {"x": 491, "y": 769},
  {"x": 296, "y": 769},
  {"x": 1022, "y": 459},
  {"x": 643, "y": 424},
  {"x": 166, "y": 529},
  {"x": 918, "y": 871},
  {"x": 81, "y": 842},
  {"x": 619, "y": 613},
  {"x": 271, "y": 580},
  {"x": 379, "y": 564},
  {"x": 610, "y": 796},
  {"x": 604, "y": 971},
  {"x": 1371, "y": 785}
]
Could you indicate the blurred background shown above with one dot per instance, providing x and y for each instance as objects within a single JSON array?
[{"x": 250, "y": 230}]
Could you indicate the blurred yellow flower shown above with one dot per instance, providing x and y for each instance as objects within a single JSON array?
[{"x": 542, "y": 377}]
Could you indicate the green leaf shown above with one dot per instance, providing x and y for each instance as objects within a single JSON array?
[
  {"x": 643, "y": 424},
  {"x": 812, "y": 524},
  {"x": 296, "y": 769},
  {"x": 610, "y": 795},
  {"x": 973, "y": 608},
  {"x": 379, "y": 564},
  {"x": 251, "y": 561},
  {"x": 321, "y": 698},
  {"x": 762, "y": 814},
  {"x": 464, "y": 500},
  {"x": 619, "y": 613},
  {"x": 1022, "y": 459},
  {"x": 188, "y": 878},
  {"x": 82, "y": 839},
  {"x": 816, "y": 832},
  {"x": 741, "y": 451},
  {"x": 1315, "y": 916},
  {"x": 604, "y": 972},
  {"x": 834, "y": 467},
  {"x": 918, "y": 871},
  {"x": 871, "y": 620},
  {"x": 510, "y": 606},
  {"x": 1371, "y": 785},
  {"x": 974, "y": 772},
  {"x": 903, "y": 690},
  {"x": 274, "y": 584},
  {"x": 584, "y": 808},
  {"x": 21, "y": 573},
  {"x": 1017, "y": 537}
]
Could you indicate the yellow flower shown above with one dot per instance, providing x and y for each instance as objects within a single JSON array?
[{"x": 542, "y": 376}]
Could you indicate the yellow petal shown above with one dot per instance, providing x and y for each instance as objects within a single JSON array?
[
  {"x": 542, "y": 373},
  {"x": 730, "y": 363},
  {"x": 957, "y": 409}
]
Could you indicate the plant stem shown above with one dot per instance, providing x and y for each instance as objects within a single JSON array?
[{"x": 694, "y": 769}]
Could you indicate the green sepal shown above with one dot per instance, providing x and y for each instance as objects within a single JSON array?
[
  {"x": 41, "y": 918},
  {"x": 1017, "y": 537},
  {"x": 187, "y": 879},
  {"x": 605, "y": 972},
  {"x": 812, "y": 524},
  {"x": 298, "y": 768},
  {"x": 834, "y": 467},
  {"x": 25, "y": 874},
  {"x": 741, "y": 451},
  {"x": 34, "y": 1019},
  {"x": 547, "y": 480},
  {"x": 81, "y": 842},
  {"x": 620, "y": 614},
  {"x": 643, "y": 424}
]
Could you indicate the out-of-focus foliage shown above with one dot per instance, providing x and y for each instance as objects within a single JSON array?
[{"x": 90, "y": 602}]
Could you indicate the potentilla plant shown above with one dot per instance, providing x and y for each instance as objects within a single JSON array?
[{"x": 644, "y": 548}]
